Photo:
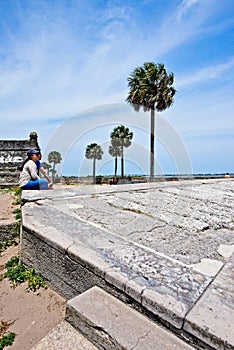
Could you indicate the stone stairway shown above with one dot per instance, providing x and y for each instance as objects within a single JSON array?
[{"x": 97, "y": 320}]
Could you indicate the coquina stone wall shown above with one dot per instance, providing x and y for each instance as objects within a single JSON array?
[{"x": 12, "y": 153}]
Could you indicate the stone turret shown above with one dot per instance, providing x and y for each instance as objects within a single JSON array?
[
  {"x": 12, "y": 154},
  {"x": 33, "y": 140}
]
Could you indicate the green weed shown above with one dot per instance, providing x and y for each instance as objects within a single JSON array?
[
  {"x": 18, "y": 191},
  {"x": 17, "y": 201},
  {"x": 17, "y": 274},
  {"x": 17, "y": 213},
  {"x": 34, "y": 281},
  {"x": 7, "y": 340}
]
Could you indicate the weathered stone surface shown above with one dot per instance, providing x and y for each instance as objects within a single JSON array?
[
  {"x": 141, "y": 216},
  {"x": 169, "y": 288},
  {"x": 208, "y": 267},
  {"x": 113, "y": 325},
  {"x": 89, "y": 263},
  {"x": 211, "y": 319},
  {"x": 136, "y": 243},
  {"x": 226, "y": 250},
  {"x": 64, "y": 337}
]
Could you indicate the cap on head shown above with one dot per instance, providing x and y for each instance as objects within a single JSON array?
[{"x": 32, "y": 151}]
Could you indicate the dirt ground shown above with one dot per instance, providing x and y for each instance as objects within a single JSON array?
[
  {"x": 7, "y": 207},
  {"x": 31, "y": 315}
]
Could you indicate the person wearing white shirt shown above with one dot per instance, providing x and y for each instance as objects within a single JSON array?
[{"x": 29, "y": 178}]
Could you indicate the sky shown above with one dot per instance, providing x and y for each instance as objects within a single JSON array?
[{"x": 63, "y": 73}]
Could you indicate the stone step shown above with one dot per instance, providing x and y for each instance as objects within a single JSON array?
[
  {"x": 112, "y": 325},
  {"x": 64, "y": 337}
]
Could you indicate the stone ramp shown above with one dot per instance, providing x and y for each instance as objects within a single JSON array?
[
  {"x": 75, "y": 253},
  {"x": 112, "y": 325}
]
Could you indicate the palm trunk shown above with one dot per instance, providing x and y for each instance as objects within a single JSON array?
[
  {"x": 122, "y": 162},
  {"x": 152, "y": 145},
  {"x": 53, "y": 172},
  {"x": 116, "y": 165},
  {"x": 94, "y": 170}
]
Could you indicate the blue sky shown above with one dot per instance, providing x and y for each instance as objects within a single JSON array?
[{"x": 60, "y": 58}]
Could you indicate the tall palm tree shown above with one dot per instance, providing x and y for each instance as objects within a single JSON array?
[
  {"x": 94, "y": 151},
  {"x": 55, "y": 158},
  {"x": 122, "y": 134},
  {"x": 115, "y": 151},
  {"x": 150, "y": 87}
]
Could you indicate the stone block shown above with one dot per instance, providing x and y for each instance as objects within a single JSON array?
[{"x": 113, "y": 325}]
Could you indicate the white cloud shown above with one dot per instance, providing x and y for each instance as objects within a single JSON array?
[
  {"x": 184, "y": 7},
  {"x": 206, "y": 74}
]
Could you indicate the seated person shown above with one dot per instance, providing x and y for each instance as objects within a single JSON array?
[{"x": 29, "y": 178}]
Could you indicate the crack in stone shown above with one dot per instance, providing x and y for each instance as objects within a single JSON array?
[{"x": 142, "y": 337}]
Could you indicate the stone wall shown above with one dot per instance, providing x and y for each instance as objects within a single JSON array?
[{"x": 12, "y": 153}]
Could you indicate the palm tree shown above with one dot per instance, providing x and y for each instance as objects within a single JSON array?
[
  {"x": 46, "y": 166},
  {"x": 94, "y": 151},
  {"x": 122, "y": 134},
  {"x": 115, "y": 151},
  {"x": 150, "y": 87},
  {"x": 55, "y": 158}
]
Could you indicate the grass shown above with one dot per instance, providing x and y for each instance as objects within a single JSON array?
[
  {"x": 17, "y": 191},
  {"x": 18, "y": 274},
  {"x": 6, "y": 190}
]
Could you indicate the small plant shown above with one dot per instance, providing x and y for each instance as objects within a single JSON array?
[
  {"x": 17, "y": 213},
  {"x": 15, "y": 271},
  {"x": 17, "y": 274},
  {"x": 34, "y": 281},
  {"x": 17, "y": 201},
  {"x": 7, "y": 340},
  {"x": 18, "y": 191}
]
